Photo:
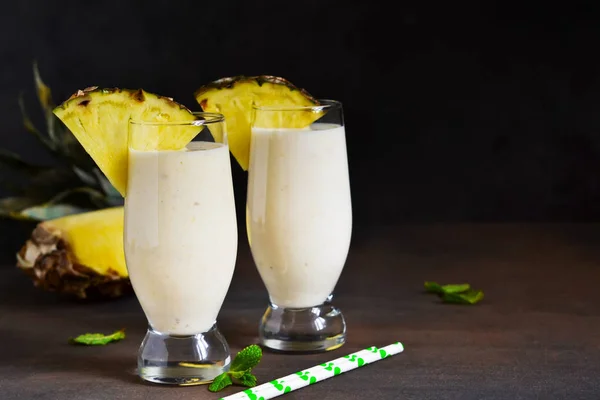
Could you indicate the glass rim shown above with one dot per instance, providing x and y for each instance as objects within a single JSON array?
[
  {"x": 325, "y": 104},
  {"x": 203, "y": 118}
]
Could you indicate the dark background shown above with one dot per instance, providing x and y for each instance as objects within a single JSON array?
[{"x": 455, "y": 111}]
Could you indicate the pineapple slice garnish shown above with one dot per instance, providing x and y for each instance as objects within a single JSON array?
[
  {"x": 234, "y": 97},
  {"x": 99, "y": 119}
]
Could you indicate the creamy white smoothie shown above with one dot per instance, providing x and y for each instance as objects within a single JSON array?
[
  {"x": 299, "y": 213},
  {"x": 181, "y": 235}
]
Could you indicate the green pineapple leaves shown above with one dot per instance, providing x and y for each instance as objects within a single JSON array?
[
  {"x": 43, "y": 91},
  {"x": 41, "y": 192},
  {"x": 59, "y": 140},
  {"x": 11, "y": 207}
]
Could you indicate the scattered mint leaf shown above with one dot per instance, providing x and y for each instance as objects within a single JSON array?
[
  {"x": 456, "y": 288},
  {"x": 239, "y": 372},
  {"x": 247, "y": 358},
  {"x": 98, "y": 339},
  {"x": 435, "y": 287},
  {"x": 248, "y": 380},
  {"x": 220, "y": 382},
  {"x": 468, "y": 297},
  {"x": 460, "y": 293}
]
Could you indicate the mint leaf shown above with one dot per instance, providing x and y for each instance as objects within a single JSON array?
[
  {"x": 456, "y": 288},
  {"x": 247, "y": 358},
  {"x": 456, "y": 293},
  {"x": 220, "y": 382},
  {"x": 435, "y": 287},
  {"x": 239, "y": 372},
  {"x": 248, "y": 380},
  {"x": 468, "y": 297},
  {"x": 98, "y": 339}
]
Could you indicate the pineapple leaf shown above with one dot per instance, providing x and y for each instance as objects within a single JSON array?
[
  {"x": 51, "y": 130},
  {"x": 106, "y": 186},
  {"x": 48, "y": 182},
  {"x": 9, "y": 186},
  {"x": 9, "y": 206},
  {"x": 32, "y": 129},
  {"x": 42, "y": 182},
  {"x": 50, "y": 211},
  {"x": 114, "y": 201},
  {"x": 45, "y": 192},
  {"x": 85, "y": 177},
  {"x": 26, "y": 120},
  {"x": 43, "y": 91},
  {"x": 15, "y": 162},
  {"x": 95, "y": 196},
  {"x": 45, "y": 98},
  {"x": 59, "y": 139}
]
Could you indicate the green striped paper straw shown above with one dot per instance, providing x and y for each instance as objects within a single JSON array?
[{"x": 317, "y": 373}]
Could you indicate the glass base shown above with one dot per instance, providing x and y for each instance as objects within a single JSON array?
[
  {"x": 315, "y": 329},
  {"x": 183, "y": 360}
]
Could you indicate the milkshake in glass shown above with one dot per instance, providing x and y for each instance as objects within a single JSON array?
[
  {"x": 180, "y": 247},
  {"x": 299, "y": 223}
]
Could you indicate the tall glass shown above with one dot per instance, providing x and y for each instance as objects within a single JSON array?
[
  {"x": 299, "y": 222},
  {"x": 180, "y": 245}
]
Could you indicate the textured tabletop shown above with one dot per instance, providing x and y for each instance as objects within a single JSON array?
[{"x": 535, "y": 335}]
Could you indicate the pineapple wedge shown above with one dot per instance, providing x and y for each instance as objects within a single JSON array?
[
  {"x": 99, "y": 119},
  {"x": 79, "y": 255},
  {"x": 234, "y": 97}
]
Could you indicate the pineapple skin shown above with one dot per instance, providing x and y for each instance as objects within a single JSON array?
[
  {"x": 230, "y": 82},
  {"x": 79, "y": 256}
]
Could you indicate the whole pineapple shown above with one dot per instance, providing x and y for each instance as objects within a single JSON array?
[{"x": 79, "y": 255}]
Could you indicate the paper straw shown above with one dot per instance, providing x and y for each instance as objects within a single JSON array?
[{"x": 317, "y": 373}]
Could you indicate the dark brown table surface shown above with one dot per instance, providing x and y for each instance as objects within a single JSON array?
[{"x": 535, "y": 336}]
